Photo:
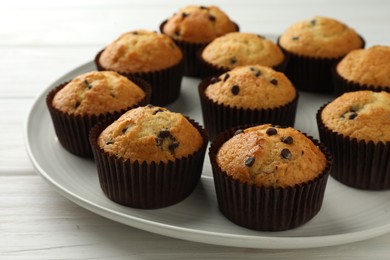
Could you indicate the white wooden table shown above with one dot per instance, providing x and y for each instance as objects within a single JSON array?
[{"x": 40, "y": 41}]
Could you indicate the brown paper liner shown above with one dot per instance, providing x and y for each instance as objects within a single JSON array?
[
  {"x": 73, "y": 130},
  {"x": 267, "y": 209},
  {"x": 191, "y": 62},
  {"x": 358, "y": 164},
  {"x": 207, "y": 69},
  {"x": 219, "y": 117},
  {"x": 342, "y": 85},
  {"x": 166, "y": 83},
  {"x": 147, "y": 185},
  {"x": 309, "y": 73}
]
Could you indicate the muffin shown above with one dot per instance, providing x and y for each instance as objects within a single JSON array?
[
  {"x": 313, "y": 46},
  {"x": 192, "y": 28},
  {"x": 149, "y": 158},
  {"x": 76, "y": 106},
  {"x": 239, "y": 49},
  {"x": 147, "y": 55},
  {"x": 356, "y": 128},
  {"x": 367, "y": 69},
  {"x": 247, "y": 94},
  {"x": 269, "y": 178}
]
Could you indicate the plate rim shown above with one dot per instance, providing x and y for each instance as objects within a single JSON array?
[{"x": 189, "y": 234}]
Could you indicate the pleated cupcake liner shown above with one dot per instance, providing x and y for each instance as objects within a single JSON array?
[
  {"x": 147, "y": 185},
  {"x": 191, "y": 62},
  {"x": 359, "y": 164},
  {"x": 342, "y": 85},
  {"x": 309, "y": 73},
  {"x": 72, "y": 130},
  {"x": 207, "y": 69},
  {"x": 267, "y": 209},
  {"x": 219, "y": 117},
  {"x": 166, "y": 83}
]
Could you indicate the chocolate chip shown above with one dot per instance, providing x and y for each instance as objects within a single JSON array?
[
  {"x": 249, "y": 161},
  {"x": 353, "y": 115},
  {"x": 286, "y": 154},
  {"x": 313, "y": 22},
  {"x": 271, "y": 131},
  {"x": 135, "y": 33},
  {"x": 274, "y": 82},
  {"x": 149, "y": 106},
  {"x": 226, "y": 77},
  {"x": 214, "y": 80},
  {"x": 260, "y": 36},
  {"x": 235, "y": 89},
  {"x": 212, "y": 18},
  {"x": 165, "y": 134},
  {"x": 203, "y": 7},
  {"x": 295, "y": 38},
  {"x": 177, "y": 33},
  {"x": 112, "y": 94},
  {"x": 257, "y": 73},
  {"x": 109, "y": 142},
  {"x": 287, "y": 139},
  {"x": 184, "y": 15},
  {"x": 158, "y": 110},
  {"x": 125, "y": 129},
  {"x": 239, "y": 131},
  {"x": 173, "y": 146},
  {"x": 78, "y": 103},
  {"x": 302, "y": 153},
  {"x": 233, "y": 60},
  {"x": 87, "y": 84}
]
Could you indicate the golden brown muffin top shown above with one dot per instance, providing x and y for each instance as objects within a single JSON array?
[
  {"x": 367, "y": 66},
  {"x": 151, "y": 134},
  {"x": 140, "y": 51},
  {"x": 364, "y": 115},
  {"x": 320, "y": 37},
  {"x": 198, "y": 24},
  {"x": 97, "y": 92},
  {"x": 240, "y": 49},
  {"x": 251, "y": 87},
  {"x": 271, "y": 157}
]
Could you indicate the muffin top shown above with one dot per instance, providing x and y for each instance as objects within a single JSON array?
[
  {"x": 198, "y": 24},
  {"x": 97, "y": 92},
  {"x": 367, "y": 66},
  {"x": 151, "y": 134},
  {"x": 271, "y": 157},
  {"x": 140, "y": 51},
  {"x": 251, "y": 87},
  {"x": 239, "y": 49},
  {"x": 320, "y": 37},
  {"x": 364, "y": 115}
]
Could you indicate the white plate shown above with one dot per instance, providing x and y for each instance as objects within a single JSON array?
[{"x": 347, "y": 214}]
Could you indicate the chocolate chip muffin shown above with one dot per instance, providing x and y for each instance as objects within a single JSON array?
[
  {"x": 149, "y": 158},
  {"x": 96, "y": 93},
  {"x": 313, "y": 46},
  {"x": 239, "y": 49},
  {"x": 364, "y": 69},
  {"x": 193, "y": 27},
  {"x": 355, "y": 126},
  {"x": 90, "y": 98},
  {"x": 247, "y": 94},
  {"x": 151, "y": 134},
  {"x": 148, "y": 55},
  {"x": 271, "y": 169}
]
